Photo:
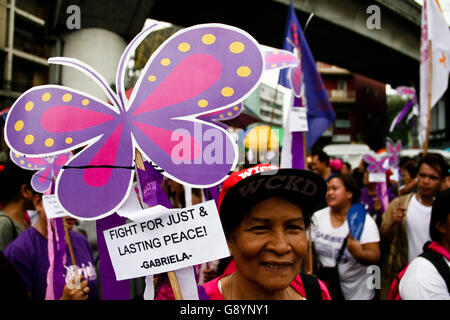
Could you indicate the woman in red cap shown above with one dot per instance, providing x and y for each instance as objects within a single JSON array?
[{"x": 265, "y": 212}]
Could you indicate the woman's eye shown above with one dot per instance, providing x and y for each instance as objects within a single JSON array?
[
  {"x": 294, "y": 227},
  {"x": 259, "y": 228}
]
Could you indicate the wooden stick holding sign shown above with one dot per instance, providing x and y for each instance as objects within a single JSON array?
[
  {"x": 171, "y": 274},
  {"x": 69, "y": 242}
]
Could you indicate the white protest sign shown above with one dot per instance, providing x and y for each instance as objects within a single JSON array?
[
  {"x": 169, "y": 240},
  {"x": 377, "y": 177},
  {"x": 53, "y": 208},
  {"x": 298, "y": 121},
  {"x": 131, "y": 207}
]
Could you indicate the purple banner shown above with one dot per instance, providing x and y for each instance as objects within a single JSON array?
[
  {"x": 111, "y": 288},
  {"x": 150, "y": 181},
  {"x": 297, "y": 147}
]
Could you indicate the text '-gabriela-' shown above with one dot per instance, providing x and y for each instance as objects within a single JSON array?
[{"x": 174, "y": 258}]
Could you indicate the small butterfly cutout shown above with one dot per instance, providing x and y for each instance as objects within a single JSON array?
[
  {"x": 198, "y": 70},
  {"x": 375, "y": 164},
  {"x": 47, "y": 168},
  {"x": 393, "y": 152}
]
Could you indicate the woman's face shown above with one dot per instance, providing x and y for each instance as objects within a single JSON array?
[
  {"x": 337, "y": 195},
  {"x": 406, "y": 177},
  {"x": 269, "y": 244}
]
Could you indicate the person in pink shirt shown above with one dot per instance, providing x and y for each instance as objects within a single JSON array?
[{"x": 265, "y": 212}]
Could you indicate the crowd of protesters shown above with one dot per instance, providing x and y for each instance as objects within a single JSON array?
[{"x": 284, "y": 243}]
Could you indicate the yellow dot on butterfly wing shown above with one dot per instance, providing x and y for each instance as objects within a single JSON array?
[
  {"x": 273, "y": 65},
  {"x": 29, "y": 106},
  {"x": 85, "y": 102},
  {"x": 22, "y": 162},
  {"x": 151, "y": 78},
  {"x": 243, "y": 71},
  {"x": 165, "y": 61},
  {"x": 46, "y": 96},
  {"x": 236, "y": 47},
  {"x": 202, "y": 103},
  {"x": 19, "y": 125},
  {"x": 49, "y": 142},
  {"x": 236, "y": 108},
  {"x": 221, "y": 116},
  {"x": 229, "y": 113},
  {"x": 68, "y": 140},
  {"x": 227, "y": 92},
  {"x": 29, "y": 165},
  {"x": 208, "y": 38},
  {"x": 67, "y": 97},
  {"x": 29, "y": 139},
  {"x": 184, "y": 47}
]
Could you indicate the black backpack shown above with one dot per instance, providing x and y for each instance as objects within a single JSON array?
[{"x": 312, "y": 287}]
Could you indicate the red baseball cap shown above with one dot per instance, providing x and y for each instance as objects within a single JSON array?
[{"x": 242, "y": 188}]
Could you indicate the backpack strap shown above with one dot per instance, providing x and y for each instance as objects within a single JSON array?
[
  {"x": 439, "y": 263},
  {"x": 312, "y": 287},
  {"x": 14, "y": 231}
]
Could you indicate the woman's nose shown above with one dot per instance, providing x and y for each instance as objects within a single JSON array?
[{"x": 279, "y": 244}]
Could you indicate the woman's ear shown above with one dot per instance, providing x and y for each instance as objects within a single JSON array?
[
  {"x": 442, "y": 227},
  {"x": 25, "y": 191},
  {"x": 230, "y": 245},
  {"x": 37, "y": 203}
]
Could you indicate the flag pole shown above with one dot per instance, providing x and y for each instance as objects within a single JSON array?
[{"x": 430, "y": 84}]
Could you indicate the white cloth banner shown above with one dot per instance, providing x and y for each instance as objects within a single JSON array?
[{"x": 436, "y": 29}]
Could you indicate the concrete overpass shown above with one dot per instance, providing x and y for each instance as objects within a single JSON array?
[{"x": 337, "y": 34}]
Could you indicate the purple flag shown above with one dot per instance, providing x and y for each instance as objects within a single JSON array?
[{"x": 320, "y": 111}]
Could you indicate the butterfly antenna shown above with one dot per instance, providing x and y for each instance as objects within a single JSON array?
[
  {"x": 90, "y": 72},
  {"x": 120, "y": 83}
]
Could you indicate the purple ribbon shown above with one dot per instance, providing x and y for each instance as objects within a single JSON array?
[
  {"x": 297, "y": 145},
  {"x": 402, "y": 114}
]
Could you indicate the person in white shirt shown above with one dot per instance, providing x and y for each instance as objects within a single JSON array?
[
  {"x": 406, "y": 222},
  {"x": 329, "y": 231},
  {"x": 421, "y": 280}
]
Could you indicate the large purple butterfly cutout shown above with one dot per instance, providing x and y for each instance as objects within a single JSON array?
[
  {"x": 47, "y": 168},
  {"x": 198, "y": 70}
]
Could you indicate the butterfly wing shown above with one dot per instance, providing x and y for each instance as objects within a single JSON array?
[
  {"x": 221, "y": 115},
  {"x": 48, "y": 120},
  {"x": 371, "y": 161},
  {"x": 42, "y": 179},
  {"x": 279, "y": 59},
  {"x": 205, "y": 69},
  {"x": 96, "y": 181}
]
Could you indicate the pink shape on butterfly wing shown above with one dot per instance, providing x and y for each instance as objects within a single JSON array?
[
  {"x": 44, "y": 175},
  {"x": 37, "y": 161},
  {"x": 163, "y": 138},
  {"x": 61, "y": 118},
  {"x": 189, "y": 78},
  {"x": 97, "y": 177}
]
